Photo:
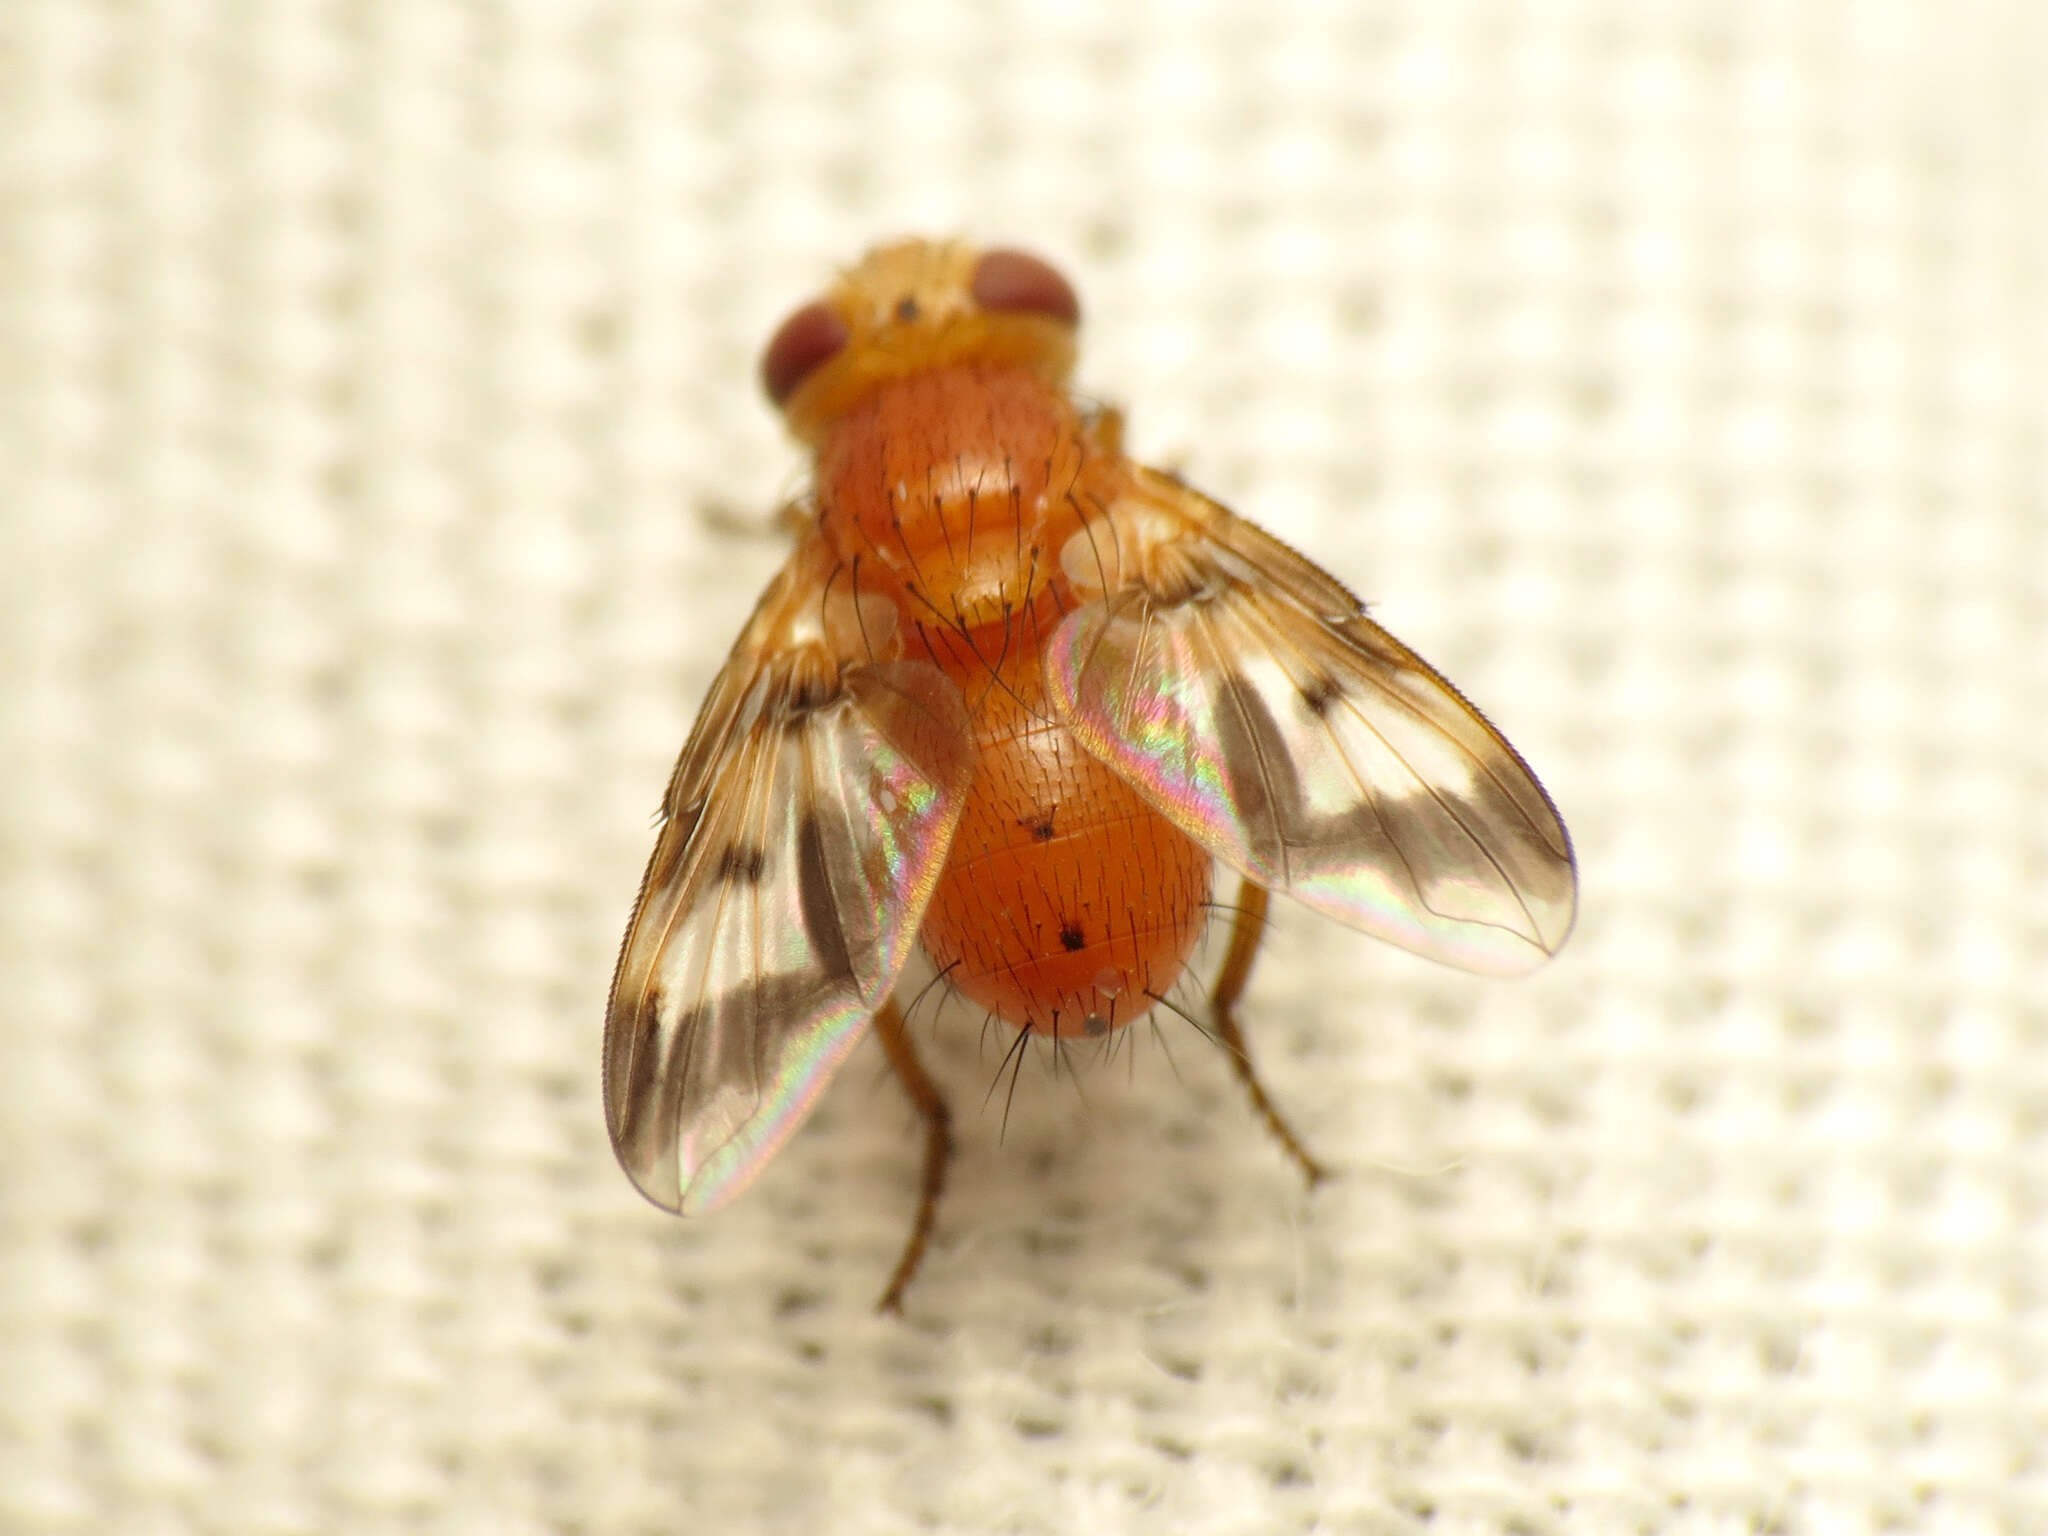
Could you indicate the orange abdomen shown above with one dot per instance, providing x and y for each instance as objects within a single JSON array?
[{"x": 1067, "y": 904}]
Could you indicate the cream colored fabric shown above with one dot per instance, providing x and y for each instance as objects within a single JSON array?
[{"x": 1673, "y": 375}]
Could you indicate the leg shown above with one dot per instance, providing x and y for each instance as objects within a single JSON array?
[
  {"x": 1245, "y": 932},
  {"x": 1106, "y": 431},
  {"x": 788, "y": 519},
  {"x": 938, "y": 1146}
]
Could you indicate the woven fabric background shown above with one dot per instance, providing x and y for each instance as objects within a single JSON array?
[{"x": 1674, "y": 375}]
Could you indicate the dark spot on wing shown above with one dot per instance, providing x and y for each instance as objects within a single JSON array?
[
  {"x": 669, "y": 1073},
  {"x": 815, "y": 901},
  {"x": 906, "y": 308},
  {"x": 1245, "y": 738},
  {"x": 808, "y": 691},
  {"x": 638, "y": 1089},
  {"x": 1381, "y": 826},
  {"x": 1183, "y": 582},
  {"x": 1072, "y": 937},
  {"x": 669, "y": 849},
  {"x": 651, "y": 997},
  {"x": 741, "y": 864},
  {"x": 1321, "y": 693},
  {"x": 634, "y": 1060}
]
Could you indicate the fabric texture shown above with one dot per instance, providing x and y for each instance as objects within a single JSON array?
[{"x": 384, "y": 475}]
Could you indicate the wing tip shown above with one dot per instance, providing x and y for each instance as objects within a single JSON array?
[{"x": 656, "y": 1182}]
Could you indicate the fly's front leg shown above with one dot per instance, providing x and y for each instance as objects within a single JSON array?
[
  {"x": 1246, "y": 930},
  {"x": 938, "y": 1147}
]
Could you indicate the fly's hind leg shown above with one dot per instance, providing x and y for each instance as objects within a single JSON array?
[
  {"x": 938, "y": 1147},
  {"x": 1246, "y": 930}
]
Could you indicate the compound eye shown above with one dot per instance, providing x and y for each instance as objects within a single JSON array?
[
  {"x": 807, "y": 340},
  {"x": 1015, "y": 282}
]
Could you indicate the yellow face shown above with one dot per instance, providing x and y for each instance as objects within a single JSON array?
[{"x": 911, "y": 307}]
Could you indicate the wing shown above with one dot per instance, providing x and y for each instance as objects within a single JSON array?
[
  {"x": 1245, "y": 694},
  {"x": 803, "y": 834}
]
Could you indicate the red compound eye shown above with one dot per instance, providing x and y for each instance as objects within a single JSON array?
[
  {"x": 1015, "y": 282},
  {"x": 807, "y": 339}
]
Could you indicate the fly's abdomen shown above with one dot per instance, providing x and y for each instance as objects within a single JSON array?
[{"x": 1067, "y": 905}]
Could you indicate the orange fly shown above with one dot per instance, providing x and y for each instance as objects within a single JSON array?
[{"x": 1010, "y": 698}]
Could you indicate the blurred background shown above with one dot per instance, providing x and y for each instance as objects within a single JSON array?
[{"x": 376, "y": 398}]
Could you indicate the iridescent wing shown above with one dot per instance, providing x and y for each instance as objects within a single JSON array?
[
  {"x": 1247, "y": 696},
  {"x": 802, "y": 836}
]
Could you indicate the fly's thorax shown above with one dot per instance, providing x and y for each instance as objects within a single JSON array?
[{"x": 955, "y": 486}]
